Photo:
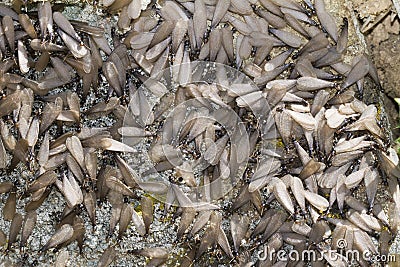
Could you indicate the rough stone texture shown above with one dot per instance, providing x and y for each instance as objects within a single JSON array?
[{"x": 383, "y": 41}]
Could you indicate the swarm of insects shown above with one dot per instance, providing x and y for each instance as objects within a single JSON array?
[{"x": 240, "y": 117}]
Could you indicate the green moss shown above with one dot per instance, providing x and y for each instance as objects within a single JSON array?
[{"x": 279, "y": 143}]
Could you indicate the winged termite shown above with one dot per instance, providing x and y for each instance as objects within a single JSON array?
[
  {"x": 270, "y": 75},
  {"x": 161, "y": 63},
  {"x": 38, "y": 45},
  {"x": 239, "y": 227},
  {"x": 6, "y": 10},
  {"x": 329, "y": 58},
  {"x": 116, "y": 202},
  {"x": 35, "y": 196},
  {"x": 74, "y": 167},
  {"x": 334, "y": 118},
  {"x": 27, "y": 228},
  {"x": 262, "y": 224},
  {"x": 316, "y": 200},
  {"x": 50, "y": 113},
  {"x": 201, "y": 220},
  {"x": 371, "y": 183},
  {"x": 307, "y": 121},
  {"x": 33, "y": 132},
  {"x": 103, "y": 108},
  {"x": 281, "y": 193},
  {"x": 384, "y": 240},
  {"x": 210, "y": 237},
  {"x": 107, "y": 257},
  {"x": 310, "y": 83},
  {"x": 188, "y": 216},
  {"x": 63, "y": 70},
  {"x": 3, "y": 43},
  {"x": 62, "y": 235},
  {"x": 215, "y": 43},
  {"x": 125, "y": 218},
  {"x": 290, "y": 39},
  {"x": 147, "y": 212},
  {"x": 221, "y": 57},
  {"x": 227, "y": 43},
  {"x": 134, "y": 9},
  {"x": 301, "y": 228},
  {"x": 42, "y": 61},
  {"x": 316, "y": 43},
  {"x": 71, "y": 190},
  {"x": 139, "y": 224},
  {"x": 241, "y": 7},
  {"x": 291, "y": 5},
  {"x": 20, "y": 35},
  {"x": 127, "y": 172},
  {"x": 55, "y": 161},
  {"x": 274, "y": 20},
  {"x": 199, "y": 22},
  {"x": 74, "y": 46},
  {"x": 157, "y": 255},
  {"x": 42, "y": 181},
  {"x": 367, "y": 121},
  {"x": 64, "y": 24},
  {"x": 271, "y": 6},
  {"x": 34, "y": 204},
  {"x": 10, "y": 103},
  {"x": 153, "y": 53},
  {"x": 354, "y": 178},
  {"x": 67, "y": 116},
  {"x": 296, "y": 25},
  {"x": 262, "y": 53},
  {"x": 9, "y": 209},
  {"x": 303, "y": 68},
  {"x": 107, "y": 144},
  {"x": 255, "y": 23},
  {"x": 274, "y": 223},
  {"x": 111, "y": 72},
  {"x": 357, "y": 72},
  {"x": 15, "y": 228},
  {"x": 22, "y": 57},
  {"x": 343, "y": 37},
  {"x": 220, "y": 10},
  {"x": 162, "y": 32},
  {"x": 75, "y": 148},
  {"x": 223, "y": 242},
  {"x": 275, "y": 243},
  {"x": 89, "y": 29},
  {"x": 9, "y": 32},
  {"x": 277, "y": 61},
  {"x": 20, "y": 154},
  {"x": 45, "y": 19},
  {"x": 297, "y": 189},
  {"x": 116, "y": 185},
  {"x": 140, "y": 40},
  {"x": 89, "y": 200},
  {"x": 326, "y": 19}
]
